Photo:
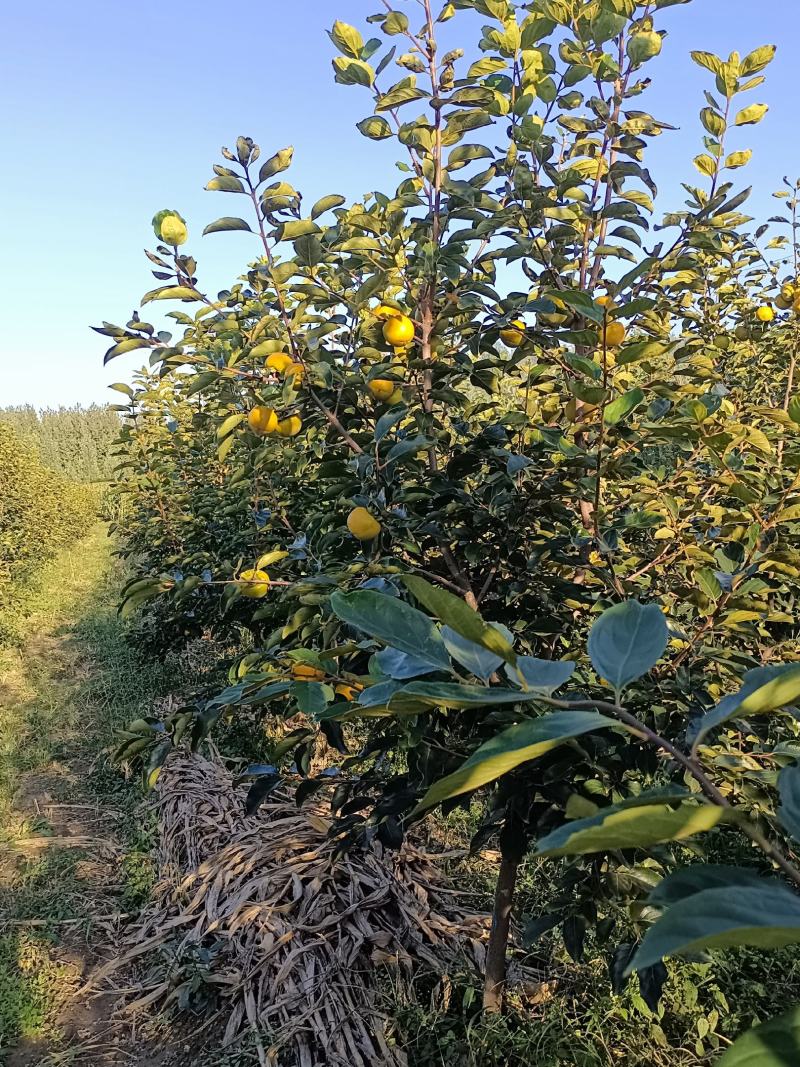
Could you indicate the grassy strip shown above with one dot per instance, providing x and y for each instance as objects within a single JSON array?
[{"x": 64, "y": 691}]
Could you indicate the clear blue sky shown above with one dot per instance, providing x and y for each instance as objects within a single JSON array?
[{"x": 114, "y": 110}]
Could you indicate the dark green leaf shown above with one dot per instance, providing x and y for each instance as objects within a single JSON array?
[
  {"x": 394, "y": 623},
  {"x": 456, "y": 614},
  {"x": 627, "y": 641},
  {"x": 477, "y": 659},
  {"x": 765, "y": 917},
  {"x": 765, "y": 689},
  {"x": 637, "y": 826},
  {"x": 789, "y": 791},
  {"x": 508, "y": 750},
  {"x": 259, "y": 791},
  {"x": 772, "y": 1044},
  {"x": 689, "y": 880},
  {"x": 542, "y": 675},
  {"x": 622, "y": 406},
  {"x": 228, "y": 222}
]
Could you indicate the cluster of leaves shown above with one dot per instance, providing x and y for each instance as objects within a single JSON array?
[{"x": 526, "y": 450}]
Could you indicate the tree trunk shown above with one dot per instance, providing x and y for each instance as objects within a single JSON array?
[{"x": 495, "y": 977}]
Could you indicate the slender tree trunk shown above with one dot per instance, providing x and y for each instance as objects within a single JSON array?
[{"x": 495, "y": 976}]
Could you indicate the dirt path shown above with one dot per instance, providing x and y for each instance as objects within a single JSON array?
[{"x": 73, "y": 855}]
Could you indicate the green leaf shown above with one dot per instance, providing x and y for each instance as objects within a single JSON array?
[
  {"x": 637, "y": 826},
  {"x": 765, "y": 917},
  {"x": 627, "y": 641},
  {"x": 622, "y": 406},
  {"x": 709, "y": 61},
  {"x": 749, "y": 116},
  {"x": 327, "y": 203},
  {"x": 311, "y": 697},
  {"x": 276, "y": 164},
  {"x": 699, "y": 876},
  {"x": 765, "y": 689},
  {"x": 259, "y": 791},
  {"x": 542, "y": 675},
  {"x": 309, "y": 250},
  {"x": 457, "y": 695},
  {"x": 400, "y": 665},
  {"x": 394, "y": 622},
  {"x": 229, "y": 425},
  {"x": 225, "y": 447},
  {"x": 791, "y": 514},
  {"x": 225, "y": 183},
  {"x": 706, "y": 165},
  {"x": 477, "y": 660},
  {"x": 122, "y": 387},
  {"x": 347, "y": 39},
  {"x": 375, "y": 127},
  {"x": 353, "y": 72},
  {"x": 708, "y": 582},
  {"x": 388, "y": 421},
  {"x": 789, "y": 791},
  {"x": 772, "y": 1044},
  {"x": 508, "y": 750},
  {"x": 408, "y": 447},
  {"x": 738, "y": 159},
  {"x": 156, "y": 762},
  {"x": 171, "y": 292},
  {"x": 456, "y": 614},
  {"x": 403, "y": 94},
  {"x": 582, "y": 302},
  {"x": 130, "y": 344},
  {"x": 395, "y": 23},
  {"x": 228, "y": 222},
  {"x": 290, "y": 231},
  {"x": 757, "y": 60}
]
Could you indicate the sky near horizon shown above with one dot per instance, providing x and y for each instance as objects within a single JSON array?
[{"x": 113, "y": 111}]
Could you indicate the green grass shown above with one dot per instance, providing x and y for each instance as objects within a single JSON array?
[
  {"x": 65, "y": 689},
  {"x": 577, "y": 1021}
]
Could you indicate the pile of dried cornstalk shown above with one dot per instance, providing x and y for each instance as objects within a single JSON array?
[{"x": 298, "y": 939}]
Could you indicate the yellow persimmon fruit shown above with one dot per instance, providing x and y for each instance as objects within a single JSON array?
[
  {"x": 349, "y": 692},
  {"x": 398, "y": 330},
  {"x": 290, "y": 427},
  {"x": 173, "y": 230},
  {"x": 604, "y": 301},
  {"x": 363, "y": 525},
  {"x": 765, "y": 314},
  {"x": 383, "y": 311},
  {"x": 396, "y": 397},
  {"x": 279, "y": 362},
  {"x": 304, "y": 672},
  {"x": 614, "y": 334},
  {"x": 796, "y": 304},
  {"x": 254, "y": 584},
  {"x": 262, "y": 420},
  {"x": 380, "y": 388},
  {"x": 513, "y": 335}
]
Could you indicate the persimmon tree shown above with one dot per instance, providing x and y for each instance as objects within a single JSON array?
[{"x": 505, "y": 388}]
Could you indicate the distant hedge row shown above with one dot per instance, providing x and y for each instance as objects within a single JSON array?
[
  {"x": 77, "y": 441},
  {"x": 40, "y": 513}
]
